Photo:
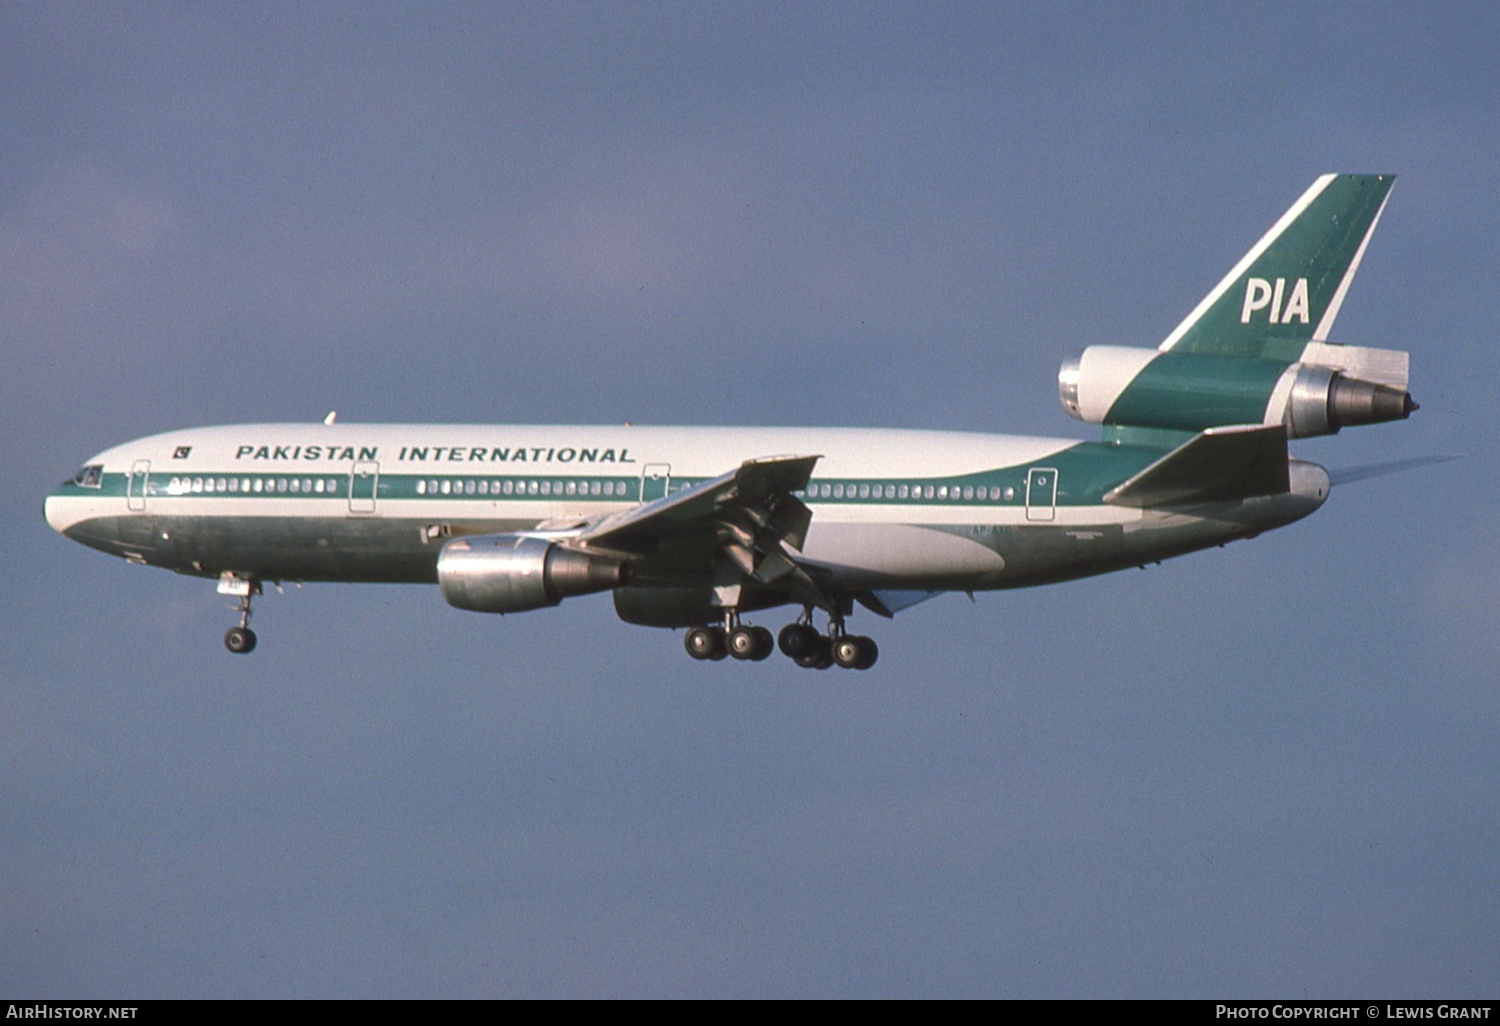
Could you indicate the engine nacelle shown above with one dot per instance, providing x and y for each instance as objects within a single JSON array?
[
  {"x": 1194, "y": 391},
  {"x": 1322, "y": 401},
  {"x": 511, "y": 573}
]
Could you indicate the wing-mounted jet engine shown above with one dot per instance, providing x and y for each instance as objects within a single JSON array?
[{"x": 514, "y": 573}]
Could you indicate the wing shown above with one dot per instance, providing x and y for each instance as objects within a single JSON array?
[{"x": 743, "y": 521}]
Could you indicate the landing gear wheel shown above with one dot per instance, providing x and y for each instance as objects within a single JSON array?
[
  {"x": 798, "y": 640},
  {"x": 820, "y": 658},
  {"x": 765, "y": 643},
  {"x": 854, "y": 652},
  {"x": 239, "y": 640},
  {"x": 705, "y": 643},
  {"x": 743, "y": 642}
]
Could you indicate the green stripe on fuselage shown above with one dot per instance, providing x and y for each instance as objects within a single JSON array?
[{"x": 1085, "y": 472}]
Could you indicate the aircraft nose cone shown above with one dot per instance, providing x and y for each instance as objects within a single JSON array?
[{"x": 52, "y": 510}]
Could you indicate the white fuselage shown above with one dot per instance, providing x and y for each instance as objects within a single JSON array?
[{"x": 891, "y": 508}]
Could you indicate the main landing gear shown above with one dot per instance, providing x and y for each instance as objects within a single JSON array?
[
  {"x": 799, "y": 641},
  {"x": 240, "y": 640},
  {"x": 740, "y": 640}
]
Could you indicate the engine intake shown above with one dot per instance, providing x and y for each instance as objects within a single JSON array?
[{"x": 511, "y": 573}]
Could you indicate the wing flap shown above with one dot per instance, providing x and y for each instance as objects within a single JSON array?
[
  {"x": 889, "y": 602},
  {"x": 753, "y": 496},
  {"x": 1221, "y": 464}
]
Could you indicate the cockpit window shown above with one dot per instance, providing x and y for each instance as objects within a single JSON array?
[{"x": 91, "y": 476}]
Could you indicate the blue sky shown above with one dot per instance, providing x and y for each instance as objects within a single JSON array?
[{"x": 1269, "y": 769}]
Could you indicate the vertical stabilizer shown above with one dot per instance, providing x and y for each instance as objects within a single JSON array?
[{"x": 1288, "y": 289}]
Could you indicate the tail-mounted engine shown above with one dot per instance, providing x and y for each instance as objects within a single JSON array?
[
  {"x": 511, "y": 573},
  {"x": 1329, "y": 388}
]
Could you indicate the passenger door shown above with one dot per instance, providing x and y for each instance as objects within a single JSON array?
[
  {"x": 364, "y": 484},
  {"x": 1041, "y": 493},
  {"x": 656, "y": 478},
  {"x": 135, "y": 491}
]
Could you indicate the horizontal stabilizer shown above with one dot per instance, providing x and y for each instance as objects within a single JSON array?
[{"x": 1221, "y": 464}]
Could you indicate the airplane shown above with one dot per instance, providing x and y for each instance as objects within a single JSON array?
[{"x": 699, "y": 527}]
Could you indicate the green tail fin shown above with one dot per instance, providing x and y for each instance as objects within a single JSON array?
[{"x": 1287, "y": 290}]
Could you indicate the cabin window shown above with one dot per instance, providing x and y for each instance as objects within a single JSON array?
[
  {"x": 968, "y": 491},
  {"x": 508, "y": 487},
  {"x": 864, "y": 491}
]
